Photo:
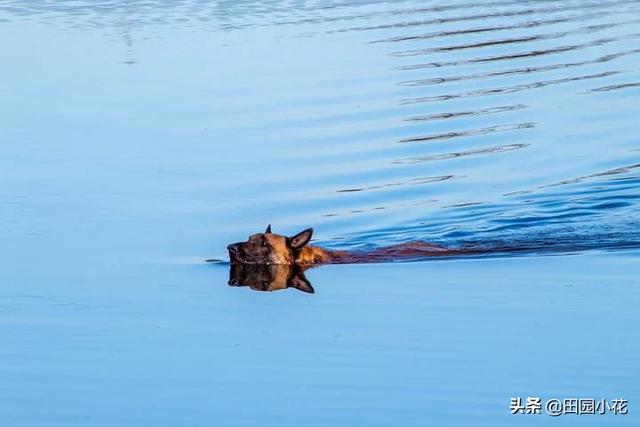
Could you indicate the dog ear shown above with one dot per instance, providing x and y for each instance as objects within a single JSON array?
[
  {"x": 300, "y": 239},
  {"x": 268, "y": 230},
  {"x": 301, "y": 283}
]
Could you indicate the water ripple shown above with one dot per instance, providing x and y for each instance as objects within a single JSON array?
[
  {"x": 498, "y": 124},
  {"x": 506, "y": 89},
  {"x": 616, "y": 87},
  {"x": 502, "y": 15},
  {"x": 470, "y": 132},
  {"x": 517, "y": 71},
  {"x": 514, "y": 40},
  {"x": 522, "y": 55},
  {"x": 457, "y": 154},
  {"x": 413, "y": 181},
  {"x": 467, "y": 113}
]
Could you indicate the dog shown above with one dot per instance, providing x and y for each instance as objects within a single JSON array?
[
  {"x": 274, "y": 249},
  {"x": 271, "y": 262}
]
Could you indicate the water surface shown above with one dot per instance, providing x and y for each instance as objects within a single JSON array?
[{"x": 139, "y": 138}]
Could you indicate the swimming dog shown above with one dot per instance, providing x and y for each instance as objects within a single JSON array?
[{"x": 274, "y": 249}]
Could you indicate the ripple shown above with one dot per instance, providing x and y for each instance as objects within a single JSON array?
[
  {"x": 413, "y": 181},
  {"x": 522, "y": 55},
  {"x": 514, "y": 40},
  {"x": 470, "y": 132},
  {"x": 467, "y": 113},
  {"x": 517, "y": 71},
  {"x": 457, "y": 154},
  {"x": 506, "y": 89},
  {"x": 383, "y": 122},
  {"x": 616, "y": 87},
  {"x": 487, "y": 29},
  {"x": 501, "y": 15}
]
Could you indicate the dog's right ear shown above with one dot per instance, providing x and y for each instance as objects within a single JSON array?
[
  {"x": 301, "y": 283},
  {"x": 300, "y": 239},
  {"x": 268, "y": 230}
]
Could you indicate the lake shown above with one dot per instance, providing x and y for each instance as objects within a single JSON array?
[{"x": 138, "y": 139}]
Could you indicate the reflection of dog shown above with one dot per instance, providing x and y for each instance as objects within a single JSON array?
[
  {"x": 269, "y": 248},
  {"x": 273, "y": 277}
]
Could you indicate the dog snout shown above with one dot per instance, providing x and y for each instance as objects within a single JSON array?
[{"x": 235, "y": 251}]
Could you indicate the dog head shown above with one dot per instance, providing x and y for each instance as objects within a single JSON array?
[
  {"x": 273, "y": 277},
  {"x": 269, "y": 248}
]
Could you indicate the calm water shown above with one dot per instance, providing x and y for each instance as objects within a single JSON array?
[{"x": 139, "y": 138}]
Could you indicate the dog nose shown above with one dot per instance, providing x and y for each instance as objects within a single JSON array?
[{"x": 232, "y": 247}]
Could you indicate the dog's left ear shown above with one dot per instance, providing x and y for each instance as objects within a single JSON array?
[
  {"x": 268, "y": 230},
  {"x": 301, "y": 283},
  {"x": 300, "y": 239}
]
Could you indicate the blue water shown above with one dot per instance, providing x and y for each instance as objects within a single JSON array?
[{"x": 138, "y": 139}]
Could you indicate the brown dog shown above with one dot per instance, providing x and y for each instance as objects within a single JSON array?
[{"x": 273, "y": 249}]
